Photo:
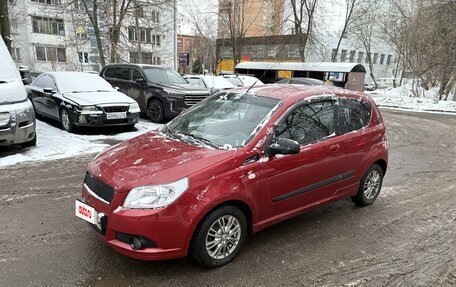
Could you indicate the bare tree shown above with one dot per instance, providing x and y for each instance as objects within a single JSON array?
[
  {"x": 365, "y": 29},
  {"x": 5, "y": 24},
  {"x": 92, "y": 13},
  {"x": 350, "y": 8},
  {"x": 303, "y": 13}
]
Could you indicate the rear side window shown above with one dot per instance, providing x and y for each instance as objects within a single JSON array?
[
  {"x": 308, "y": 123},
  {"x": 353, "y": 115},
  {"x": 121, "y": 73}
]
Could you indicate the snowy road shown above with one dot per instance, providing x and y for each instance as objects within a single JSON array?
[{"x": 408, "y": 237}]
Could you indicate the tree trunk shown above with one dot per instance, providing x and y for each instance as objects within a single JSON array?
[{"x": 4, "y": 24}]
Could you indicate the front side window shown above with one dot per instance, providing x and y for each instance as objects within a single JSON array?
[
  {"x": 353, "y": 115},
  {"x": 45, "y": 81},
  {"x": 308, "y": 123},
  {"x": 161, "y": 75},
  {"x": 226, "y": 120}
]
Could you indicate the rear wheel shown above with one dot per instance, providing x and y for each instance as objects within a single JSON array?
[
  {"x": 220, "y": 237},
  {"x": 66, "y": 120},
  {"x": 370, "y": 186},
  {"x": 155, "y": 111}
]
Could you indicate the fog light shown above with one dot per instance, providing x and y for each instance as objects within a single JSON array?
[
  {"x": 136, "y": 243},
  {"x": 82, "y": 119}
]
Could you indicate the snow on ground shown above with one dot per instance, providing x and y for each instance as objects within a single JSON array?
[
  {"x": 54, "y": 143},
  {"x": 402, "y": 98}
]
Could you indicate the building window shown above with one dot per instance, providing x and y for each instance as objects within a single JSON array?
[
  {"x": 83, "y": 57},
  {"x": 343, "y": 56},
  {"x": 382, "y": 59},
  {"x": 156, "y": 61},
  {"x": 50, "y": 54},
  {"x": 375, "y": 58},
  {"x": 48, "y": 2},
  {"x": 16, "y": 55},
  {"x": 155, "y": 17},
  {"x": 78, "y": 5},
  {"x": 50, "y": 26},
  {"x": 140, "y": 11},
  {"x": 388, "y": 59},
  {"x": 352, "y": 56},
  {"x": 360, "y": 57},
  {"x": 147, "y": 58},
  {"x": 156, "y": 40}
]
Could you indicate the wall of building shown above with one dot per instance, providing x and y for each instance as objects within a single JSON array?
[{"x": 78, "y": 39}]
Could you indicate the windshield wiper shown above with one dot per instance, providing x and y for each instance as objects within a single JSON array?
[{"x": 200, "y": 139}]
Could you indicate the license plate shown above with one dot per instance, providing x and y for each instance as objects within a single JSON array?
[
  {"x": 113, "y": 116},
  {"x": 86, "y": 212}
]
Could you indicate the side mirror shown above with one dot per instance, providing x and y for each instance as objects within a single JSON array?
[
  {"x": 140, "y": 80},
  {"x": 49, "y": 91},
  {"x": 283, "y": 146}
]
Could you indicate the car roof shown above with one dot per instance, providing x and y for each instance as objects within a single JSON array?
[
  {"x": 296, "y": 92},
  {"x": 136, "y": 65}
]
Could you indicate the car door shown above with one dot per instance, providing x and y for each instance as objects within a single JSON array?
[
  {"x": 118, "y": 77},
  {"x": 315, "y": 174},
  {"x": 353, "y": 118},
  {"x": 36, "y": 94},
  {"x": 136, "y": 89},
  {"x": 52, "y": 100}
]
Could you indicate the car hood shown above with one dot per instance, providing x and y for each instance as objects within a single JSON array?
[
  {"x": 185, "y": 88},
  {"x": 97, "y": 98},
  {"x": 12, "y": 91},
  {"x": 152, "y": 159}
]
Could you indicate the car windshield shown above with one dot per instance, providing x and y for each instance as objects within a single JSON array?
[
  {"x": 226, "y": 120},
  {"x": 79, "y": 82},
  {"x": 214, "y": 82},
  {"x": 163, "y": 76}
]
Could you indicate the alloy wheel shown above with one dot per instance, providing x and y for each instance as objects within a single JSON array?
[
  {"x": 372, "y": 184},
  {"x": 223, "y": 237}
]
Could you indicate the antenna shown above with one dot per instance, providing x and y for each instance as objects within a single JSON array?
[{"x": 262, "y": 76}]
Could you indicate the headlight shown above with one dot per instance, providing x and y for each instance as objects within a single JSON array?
[
  {"x": 4, "y": 118},
  {"x": 174, "y": 92},
  {"x": 89, "y": 109},
  {"x": 155, "y": 196},
  {"x": 134, "y": 108}
]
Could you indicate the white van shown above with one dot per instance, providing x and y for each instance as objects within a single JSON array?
[{"x": 17, "y": 116}]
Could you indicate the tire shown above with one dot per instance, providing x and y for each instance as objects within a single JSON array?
[
  {"x": 210, "y": 257},
  {"x": 130, "y": 127},
  {"x": 29, "y": 143},
  {"x": 373, "y": 178},
  {"x": 155, "y": 111},
  {"x": 65, "y": 120}
]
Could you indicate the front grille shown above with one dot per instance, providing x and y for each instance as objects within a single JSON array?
[
  {"x": 98, "y": 187},
  {"x": 191, "y": 100},
  {"x": 115, "y": 109}
]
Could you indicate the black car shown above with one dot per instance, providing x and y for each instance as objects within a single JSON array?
[
  {"x": 80, "y": 99},
  {"x": 160, "y": 91}
]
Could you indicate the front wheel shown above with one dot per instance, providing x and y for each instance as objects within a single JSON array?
[
  {"x": 220, "y": 237},
  {"x": 370, "y": 186},
  {"x": 155, "y": 111},
  {"x": 66, "y": 121}
]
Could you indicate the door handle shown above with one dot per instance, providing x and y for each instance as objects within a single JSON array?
[{"x": 334, "y": 147}]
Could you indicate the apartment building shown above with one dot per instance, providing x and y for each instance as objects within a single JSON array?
[
  {"x": 251, "y": 18},
  {"x": 56, "y": 35}
]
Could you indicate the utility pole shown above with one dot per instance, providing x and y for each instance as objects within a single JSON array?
[
  {"x": 138, "y": 32},
  {"x": 175, "y": 34},
  {"x": 4, "y": 24}
]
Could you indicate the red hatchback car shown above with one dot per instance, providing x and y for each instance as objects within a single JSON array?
[{"x": 232, "y": 165}]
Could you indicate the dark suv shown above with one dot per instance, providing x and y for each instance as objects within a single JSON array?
[{"x": 160, "y": 91}]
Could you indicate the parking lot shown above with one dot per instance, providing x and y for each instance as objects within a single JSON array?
[{"x": 406, "y": 237}]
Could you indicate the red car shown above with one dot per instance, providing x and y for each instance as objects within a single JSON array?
[{"x": 232, "y": 165}]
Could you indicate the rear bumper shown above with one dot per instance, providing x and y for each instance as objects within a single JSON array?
[{"x": 21, "y": 127}]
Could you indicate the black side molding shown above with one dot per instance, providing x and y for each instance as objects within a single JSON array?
[{"x": 315, "y": 186}]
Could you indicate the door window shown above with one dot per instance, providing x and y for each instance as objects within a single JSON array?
[
  {"x": 308, "y": 123},
  {"x": 45, "y": 81},
  {"x": 136, "y": 74},
  {"x": 353, "y": 115}
]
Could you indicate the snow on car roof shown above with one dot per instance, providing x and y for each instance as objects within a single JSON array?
[{"x": 303, "y": 66}]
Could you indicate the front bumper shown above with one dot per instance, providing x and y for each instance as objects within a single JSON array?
[
  {"x": 100, "y": 119},
  {"x": 21, "y": 127},
  {"x": 163, "y": 227}
]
